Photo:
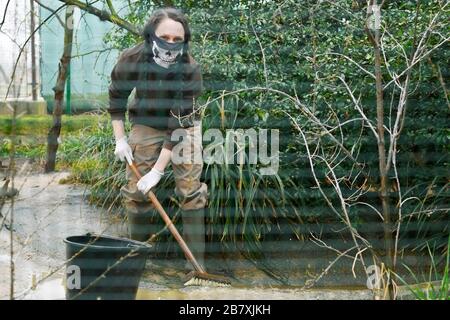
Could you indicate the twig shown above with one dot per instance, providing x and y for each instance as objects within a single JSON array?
[
  {"x": 104, "y": 15},
  {"x": 4, "y": 14},
  {"x": 53, "y": 11}
]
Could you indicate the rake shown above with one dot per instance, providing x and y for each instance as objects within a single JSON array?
[{"x": 199, "y": 277}]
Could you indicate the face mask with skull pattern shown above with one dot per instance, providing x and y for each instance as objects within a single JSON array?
[{"x": 165, "y": 53}]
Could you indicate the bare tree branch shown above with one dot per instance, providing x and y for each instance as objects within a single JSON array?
[
  {"x": 4, "y": 14},
  {"x": 51, "y": 10},
  {"x": 104, "y": 16}
]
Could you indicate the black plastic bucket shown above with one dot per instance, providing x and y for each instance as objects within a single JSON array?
[{"x": 90, "y": 256}]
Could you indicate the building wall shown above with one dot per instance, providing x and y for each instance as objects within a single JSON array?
[{"x": 13, "y": 36}]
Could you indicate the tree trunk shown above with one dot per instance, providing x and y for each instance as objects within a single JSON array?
[
  {"x": 374, "y": 37},
  {"x": 55, "y": 130}
]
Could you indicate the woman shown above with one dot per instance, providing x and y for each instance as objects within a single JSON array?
[{"x": 167, "y": 80}]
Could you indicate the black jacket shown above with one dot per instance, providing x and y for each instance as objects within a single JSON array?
[{"x": 164, "y": 97}]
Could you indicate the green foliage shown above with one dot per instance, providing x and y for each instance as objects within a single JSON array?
[
  {"x": 39, "y": 125},
  {"x": 32, "y": 133},
  {"x": 302, "y": 49},
  {"x": 438, "y": 283},
  {"x": 299, "y": 48},
  {"x": 89, "y": 153},
  {"x": 243, "y": 203}
]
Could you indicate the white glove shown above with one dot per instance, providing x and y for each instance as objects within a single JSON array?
[
  {"x": 123, "y": 150},
  {"x": 150, "y": 180}
]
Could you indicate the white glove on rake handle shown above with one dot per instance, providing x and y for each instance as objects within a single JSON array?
[
  {"x": 123, "y": 150},
  {"x": 150, "y": 180},
  {"x": 199, "y": 276}
]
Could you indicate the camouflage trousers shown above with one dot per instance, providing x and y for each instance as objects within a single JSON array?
[{"x": 187, "y": 165}]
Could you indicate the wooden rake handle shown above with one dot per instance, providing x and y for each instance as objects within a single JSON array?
[{"x": 169, "y": 224}]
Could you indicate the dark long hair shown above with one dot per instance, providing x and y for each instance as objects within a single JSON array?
[{"x": 155, "y": 19}]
